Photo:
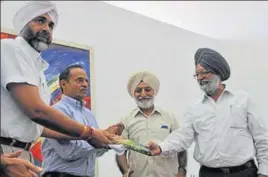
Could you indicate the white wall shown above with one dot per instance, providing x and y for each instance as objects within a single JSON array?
[
  {"x": 123, "y": 43},
  {"x": 249, "y": 65}
]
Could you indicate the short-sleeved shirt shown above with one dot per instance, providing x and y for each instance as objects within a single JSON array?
[
  {"x": 142, "y": 129},
  {"x": 20, "y": 63}
]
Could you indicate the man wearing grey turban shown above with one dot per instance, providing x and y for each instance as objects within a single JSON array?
[
  {"x": 25, "y": 96},
  {"x": 148, "y": 122},
  {"x": 212, "y": 61},
  {"x": 208, "y": 62},
  {"x": 223, "y": 123}
]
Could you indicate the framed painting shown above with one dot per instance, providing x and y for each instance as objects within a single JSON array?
[{"x": 59, "y": 55}]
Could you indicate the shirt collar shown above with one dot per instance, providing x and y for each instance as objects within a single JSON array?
[
  {"x": 137, "y": 111},
  {"x": 35, "y": 56},
  {"x": 72, "y": 102},
  {"x": 227, "y": 90}
]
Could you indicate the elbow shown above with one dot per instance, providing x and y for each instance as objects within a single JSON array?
[{"x": 35, "y": 113}]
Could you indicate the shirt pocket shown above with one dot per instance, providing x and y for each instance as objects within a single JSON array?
[
  {"x": 239, "y": 123},
  {"x": 238, "y": 117},
  {"x": 160, "y": 133}
]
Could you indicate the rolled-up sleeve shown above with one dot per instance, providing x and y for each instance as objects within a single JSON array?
[
  {"x": 15, "y": 67},
  {"x": 260, "y": 135}
]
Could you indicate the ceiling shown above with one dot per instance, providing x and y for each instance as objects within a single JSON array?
[{"x": 230, "y": 20}]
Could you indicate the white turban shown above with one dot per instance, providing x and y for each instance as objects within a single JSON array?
[
  {"x": 34, "y": 9},
  {"x": 146, "y": 77}
]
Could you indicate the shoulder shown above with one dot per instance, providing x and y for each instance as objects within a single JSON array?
[
  {"x": 8, "y": 42},
  {"x": 241, "y": 97},
  {"x": 62, "y": 106},
  {"x": 168, "y": 114},
  {"x": 239, "y": 93},
  {"x": 127, "y": 118},
  {"x": 8, "y": 45}
]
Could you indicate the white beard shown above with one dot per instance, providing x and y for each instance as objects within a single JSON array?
[
  {"x": 39, "y": 45},
  {"x": 210, "y": 86},
  {"x": 145, "y": 103}
]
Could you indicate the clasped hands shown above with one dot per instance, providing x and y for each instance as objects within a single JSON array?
[{"x": 113, "y": 132}]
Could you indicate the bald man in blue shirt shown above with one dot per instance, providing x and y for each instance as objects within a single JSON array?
[{"x": 65, "y": 158}]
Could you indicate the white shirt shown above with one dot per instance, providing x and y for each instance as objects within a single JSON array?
[
  {"x": 20, "y": 63},
  {"x": 227, "y": 133}
]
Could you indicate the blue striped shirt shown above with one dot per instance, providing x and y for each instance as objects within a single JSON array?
[{"x": 75, "y": 157}]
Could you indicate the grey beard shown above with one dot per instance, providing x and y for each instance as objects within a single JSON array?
[
  {"x": 145, "y": 103},
  {"x": 210, "y": 87},
  {"x": 39, "y": 45},
  {"x": 32, "y": 38}
]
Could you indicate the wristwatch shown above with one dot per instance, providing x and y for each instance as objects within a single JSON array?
[{"x": 182, "y": 171}]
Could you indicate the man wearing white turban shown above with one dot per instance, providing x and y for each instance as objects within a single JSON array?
[
  {"x": 228, "y": 131},
  {"x": 148, "y": 122},
  {"x": 25, "y": 96}
]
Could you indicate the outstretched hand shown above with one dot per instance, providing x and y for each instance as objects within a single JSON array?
[
  {"x": 116, "y": 129},
  {"x": 155, "y": 148}
]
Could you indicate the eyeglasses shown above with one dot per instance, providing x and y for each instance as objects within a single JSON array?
[
  {"x": 146, "y": 89},
  {"x": 202, "y": 73}
]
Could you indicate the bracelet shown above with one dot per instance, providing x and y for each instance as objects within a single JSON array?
[{"x": 87, "y": 132}]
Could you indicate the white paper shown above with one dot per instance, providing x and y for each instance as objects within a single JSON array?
[{"x": 119, "y": 149}]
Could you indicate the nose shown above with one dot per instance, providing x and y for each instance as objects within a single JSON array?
[
  {"x": 46, "y": 28},
  {"x": 143, "y": 93},
  {"x": 85, "y": 84},
  {"x": 200, "y": 77}
]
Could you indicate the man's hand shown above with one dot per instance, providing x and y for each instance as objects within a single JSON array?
[
  {"x": 181, "y": 173},
  {"x": 120, "y": 129},
  {"x": 103, "y": 137},
  {"x": 155, "y": 148},
  {"x": 16, "y": 167},
  {"x": 116, "y": 129},
  {"x": 13, "y": 155},
  {"x": 112, "y": 129}
]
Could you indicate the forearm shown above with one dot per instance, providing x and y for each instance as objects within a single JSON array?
[
  {"x": 122, "y": 164},
  {"x": 57, "y": 121},
  {"x": 178, "y": 141},
  {"x": 48, "y": 133},
  {"x": 182, "y": 159},
  {"x": 38, "y": 111}
]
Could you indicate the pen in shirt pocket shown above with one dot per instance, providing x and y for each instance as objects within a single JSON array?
[{"x": 164, "y": 126}]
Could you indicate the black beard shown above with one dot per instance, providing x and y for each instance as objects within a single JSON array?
[{"x": 36, "y": 39}]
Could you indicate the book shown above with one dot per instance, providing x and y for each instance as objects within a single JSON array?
[{"x": 131, "y": 145}]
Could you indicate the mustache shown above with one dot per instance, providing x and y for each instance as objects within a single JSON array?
[
  {"x": 204, "y": 82},
  {"x": 144, "y": 98},
  {"x": 43, "y": 36}
]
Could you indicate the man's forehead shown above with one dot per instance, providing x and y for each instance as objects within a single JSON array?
[
  {"x": 199, "y": 68},
  {"x": 143, "y": 84},
  {"x": 46, "y": 16},
  {"x": 78, "y": 72}
]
